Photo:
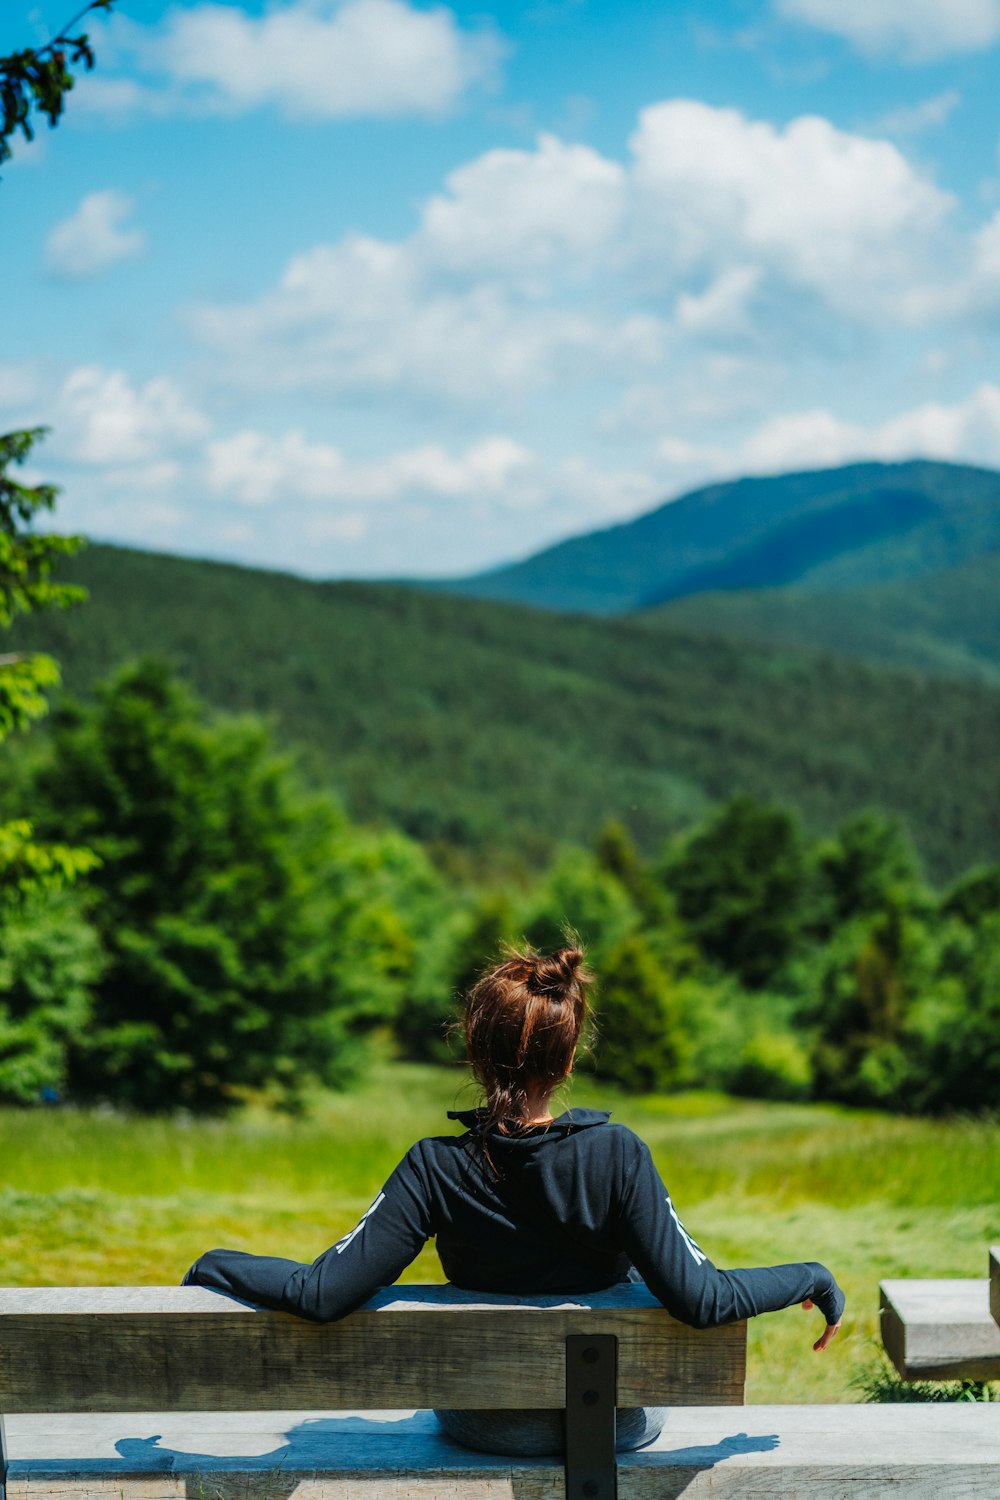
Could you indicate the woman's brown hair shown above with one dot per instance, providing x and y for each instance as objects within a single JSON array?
[{"x": 522, "y": 1022}]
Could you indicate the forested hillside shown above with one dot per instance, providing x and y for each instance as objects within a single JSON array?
[
  {"x": 503, "y": 732},
  {"x": 828, "y": 529},
  {"x": 947, "y": 622}
]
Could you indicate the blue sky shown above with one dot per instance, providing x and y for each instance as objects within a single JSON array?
[{"x": 378, "y": 288}]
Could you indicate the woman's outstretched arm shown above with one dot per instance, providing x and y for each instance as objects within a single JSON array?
[
  {"x": 372, "y": 1255},
  {"x": 691, "y": 1288}
]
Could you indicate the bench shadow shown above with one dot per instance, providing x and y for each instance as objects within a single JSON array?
[{"x": 359, "y": 1444}]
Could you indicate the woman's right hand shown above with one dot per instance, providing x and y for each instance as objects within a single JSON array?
[{"x": 829, "y": 1333}]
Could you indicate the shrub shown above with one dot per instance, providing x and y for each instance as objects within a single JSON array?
[
  {"x": 773, "y": 1065},
  {"x": 639, "y": 1044}
]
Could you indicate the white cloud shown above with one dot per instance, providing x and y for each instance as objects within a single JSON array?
[
  {"x": 492, "y": 477},
  {"x": 914, "y": 119},
  {"x": 916, "y": 30},
  {"x": 366, "y": 317},
  {"x": 722, "y": 307},
  {"x": 102, "y": 419},
  {"x": 95, "y": 237},
  {"x": 311, "y": 59},
  {"x": 258, "y": 470},
  {"x": 555, "y": 267},
  {"x": 708, "y": 388},
  {"x": 519, "y": 210},
  {"x": 965, "y": 431},
  {"x": 836, "y": 214}
]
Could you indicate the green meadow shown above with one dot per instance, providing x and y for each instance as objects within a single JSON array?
[{"x": 91, "y": 1198}]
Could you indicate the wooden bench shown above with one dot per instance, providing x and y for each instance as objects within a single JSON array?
[
  {"x": 946, "y": 1329},
  {"x": 181, "y": 1394},
  {"x": 187, "y": 1349}
]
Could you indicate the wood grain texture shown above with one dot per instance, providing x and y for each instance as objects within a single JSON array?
[
  {"x": 940, "y": 1330},
  {"x": 949, "y": 1452},
  {"x": 995, "y": 1283},
  {"x": 188, "y": 1349}
]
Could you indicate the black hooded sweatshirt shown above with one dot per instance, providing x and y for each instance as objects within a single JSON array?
[{"x": 568, "y": 1207}]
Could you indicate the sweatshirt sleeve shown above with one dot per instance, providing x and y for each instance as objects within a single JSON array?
[
  {"x": 680, "y": 1274},
  {"x": 371, "y": 1255}
]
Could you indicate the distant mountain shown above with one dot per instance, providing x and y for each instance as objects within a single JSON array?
[
  {"x": 829, "y": 529},
  {"x": 946, "y": 622},
  {"x": 500, "y": 733}
]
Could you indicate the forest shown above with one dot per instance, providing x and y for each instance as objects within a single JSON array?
[
  {"x": 239, "y": 932},
  {"x": 494, "y": 733},
  {"x": 194, "y": 916}
]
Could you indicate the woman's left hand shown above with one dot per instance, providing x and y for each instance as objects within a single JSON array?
[{"x": 829, "y": 1333}]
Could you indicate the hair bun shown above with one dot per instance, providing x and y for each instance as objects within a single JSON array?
[{"x": 554, "y": 973}]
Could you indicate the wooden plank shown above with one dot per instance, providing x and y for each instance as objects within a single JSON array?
[
  {"x": 940, "y": 1330},
  {"x": 941, "y": 1452},
  {"x": 188, "y": 1349},
  {"x": 995, "y": 1283}
]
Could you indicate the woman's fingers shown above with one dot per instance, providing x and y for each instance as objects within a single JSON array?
[{"x": 829, "y": 1333}]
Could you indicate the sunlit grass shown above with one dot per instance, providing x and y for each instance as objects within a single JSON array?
[{"x": 89, "y": 1198}]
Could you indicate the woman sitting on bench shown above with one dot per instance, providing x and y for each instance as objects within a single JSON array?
[{"x": 526, "y": 1204}]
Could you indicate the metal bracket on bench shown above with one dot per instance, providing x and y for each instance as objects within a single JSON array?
[
  {"x": 591, "y": 1402},
  {"x": 3, "y": 1457}
]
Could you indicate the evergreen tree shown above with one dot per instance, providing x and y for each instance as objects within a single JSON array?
[
  {"x": 862, "y": 868},
  {"x": 739, "y": 883},
  {"x": 578, "y": 896},
  {"x": 220, "y": 936},
  {"x": 639, "y": 1044},
  {"x": 50, "y": 959},
  {"x": 873, "y": 974}
]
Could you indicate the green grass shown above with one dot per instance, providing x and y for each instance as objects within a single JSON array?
[{"x": 89, "y": 1198}]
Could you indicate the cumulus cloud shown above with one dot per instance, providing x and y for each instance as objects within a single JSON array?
[
  {"x": 916, "y": 30},
  {"x": 95, "y": 237},
  {"x": 258, "y": 470},
  {"x": 311, "y": 59},
  {"x": 103, "y": 419},
  {"x": 965, "y": 431},
  {"x": 255, "y": 469},
  {"x": 533, "y": 269},
  {"x": 367, "y": 317},
  {"x": 520, "y": 210},
  {"x": 722, "y": 307},
  {"x": 836, "y": 214},
  {"x": 914, "y": 119}
]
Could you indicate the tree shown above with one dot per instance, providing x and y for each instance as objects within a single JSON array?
[
  {"x": 975, "y": 896},
  {"x": 873, "y": 973},
  {"x": 868, "y": 862},
  {"x": 27, "y": 561},
  {"x": 35, "y": 78},
  {"x": 221, "y": 929},
  {"x": 640, "y": 1043},
  {"x": 955, "y": 1046},
  {"x": 461, "y": 945},
  {"x": 578, "y": 895},
  {"x": 50, "y": 959},
  {"x": 739, "y": 884},
  {"x": 39, "y": 78}
]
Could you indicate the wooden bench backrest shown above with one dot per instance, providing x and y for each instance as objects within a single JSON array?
[{"x": 119, "y": 1349}]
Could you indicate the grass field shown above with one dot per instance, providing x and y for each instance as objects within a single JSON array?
[{"x": 101, "y": 1198}]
